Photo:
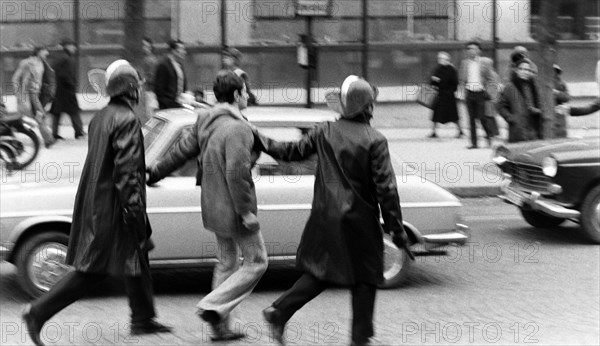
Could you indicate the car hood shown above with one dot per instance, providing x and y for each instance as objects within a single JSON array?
[{"x": 562, "y": 150}]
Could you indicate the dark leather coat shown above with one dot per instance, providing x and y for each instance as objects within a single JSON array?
[
  {"x": 109, "y": 217},
  {"x": 342, "y": 241}
]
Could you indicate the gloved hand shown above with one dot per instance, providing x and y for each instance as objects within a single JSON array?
[
  {"x": 250, "y": 221},
  {"x": 151, "y": 178},
  {"x": 401, "y": 241}
]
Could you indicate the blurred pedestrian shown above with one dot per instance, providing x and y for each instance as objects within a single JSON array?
[
  {"x": 445, "y": 78},
  {"x": 517, "y": 54},
  {"x": 482, "y": 85},
  {"x": 169, "y": 79},
  {"x": 342, "y": 242},
  {"x": 28, "y": 82},
  {"x": 519, "y": 104},
  {"x": 561, "y": 96},
  {"x": 66, "y": 91},
  {"x": 148, "y": 71},
  {"x": 232, "y": 60},
  {"x": 48, "y": 90},
  {"x": 110, "y": 232},
  {"x": 223, "y": 141}
]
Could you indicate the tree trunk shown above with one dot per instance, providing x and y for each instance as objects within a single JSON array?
[
  {"x": 134, "y": 32},
  {"x": 545, "y": 34}
]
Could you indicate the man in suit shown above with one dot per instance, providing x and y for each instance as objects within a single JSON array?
[
  {"x": 481, "y": 84},
  {"x": 169, "y": 80},
  {"x": 65, "y": 100}
]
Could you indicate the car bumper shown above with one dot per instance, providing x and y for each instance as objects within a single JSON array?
[
  {"x": 536, "y": 202},
  {"x": 459, "y": 236}
]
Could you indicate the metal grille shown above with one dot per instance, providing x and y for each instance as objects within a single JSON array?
[{"x": 528, "y": 176}]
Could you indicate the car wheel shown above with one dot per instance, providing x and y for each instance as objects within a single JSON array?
[
  {"x": 590, "y": 215},
  {"x": 395, "y": 264},
  {"x": 541, "y": 220},
  {"x": 40, "y": 261}
]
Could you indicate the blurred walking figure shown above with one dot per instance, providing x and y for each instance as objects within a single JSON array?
[
  {"x": 342, "y": 242},
  {"x": 169, "y": 79},
  {"x": 482, "y": 85},
  {"x": 561, "y": 96},
  {"x": 66, "y": 90},
  {"x": 148, "y": 72},
  {"x": 28, "y": 82},
  {"x": 232, "y": 60},
  {"x": 445, "y": 78},
  {"x": 110, "y": 233},
  {"x": 519, "y": 53},
  {"x": 519, "y": 104},
  {"x": 222, "y": 140}
]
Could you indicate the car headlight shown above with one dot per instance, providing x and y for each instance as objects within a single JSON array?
[
  {"x": 549, "y": 166},
  {"x": 500, "y": 155}
]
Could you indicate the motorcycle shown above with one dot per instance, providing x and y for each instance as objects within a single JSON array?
[{"x": 19, "y": 142}]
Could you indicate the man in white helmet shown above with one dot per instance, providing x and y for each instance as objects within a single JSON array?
[
  {"x": 342, "y": 242},
  {"x": 110, "y": 232}
]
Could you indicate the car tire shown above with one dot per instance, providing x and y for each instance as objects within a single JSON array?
[
  {"x": 395, "y": 264},
  {"x": 40, "y": 262},
  {"x": 590, "y": 215},
  {"x": 540, "y": 220}
]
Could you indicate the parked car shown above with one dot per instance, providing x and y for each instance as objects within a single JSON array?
[
  {"x": 553, "y": 181},
  {"x": 36, "y": 220}
]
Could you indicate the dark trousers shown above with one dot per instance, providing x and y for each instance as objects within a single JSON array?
[
  {"x": 75, "y": 121},
  {"x": 76, "y": 284},
  {"x": 476, "y": 107},
  {"x": 308, "y": 287}
]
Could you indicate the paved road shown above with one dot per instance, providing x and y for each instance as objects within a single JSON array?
[{"x": 512, "y": 284}]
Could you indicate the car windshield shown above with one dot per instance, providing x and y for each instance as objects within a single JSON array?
[{"x": 151, "y": 130}]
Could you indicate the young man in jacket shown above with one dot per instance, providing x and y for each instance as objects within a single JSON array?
[
  {"x": 110, "y": 233},
  {"x": 342, "y": 242},
  {"x": 169, "y": 80},
  {"x": 223, "y": 142}
]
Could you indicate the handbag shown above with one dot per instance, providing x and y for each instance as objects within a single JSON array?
[{"x": 427, "y": 96}]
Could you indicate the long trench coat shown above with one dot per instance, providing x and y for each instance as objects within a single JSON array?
[
  {"x": 342, "y": 241},
  {"x": 65, "y": 100},
  {"x": 445, "y": 110},
  {"x": 223, "y": 142},
  {"x": 109, "y": 216}
]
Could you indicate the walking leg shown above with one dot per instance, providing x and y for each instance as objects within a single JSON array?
[{"x": 363, "y": 306}]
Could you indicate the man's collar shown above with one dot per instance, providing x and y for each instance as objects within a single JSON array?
[{"x": 222, "y": 108}]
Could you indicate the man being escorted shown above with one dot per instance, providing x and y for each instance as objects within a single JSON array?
[
  {"x": 342, "y": 243},
  {"x": 110, "y": 233},
  {"x": 223, "y": 142}
]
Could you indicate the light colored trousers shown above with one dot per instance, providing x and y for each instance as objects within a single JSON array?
[{"x": 233, "y": 282}]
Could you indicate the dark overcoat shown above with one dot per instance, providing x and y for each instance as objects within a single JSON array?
[
  {"x": 223, "y": 142},
  {"x": 109, "y": 216},
  {"x": 65, "y": 100},
  {"x": 165, "y": 84},
  {"x": 342, "y": 241},
  {"x": 445, "y": 110},
  {"x": 513, "y": 108}
]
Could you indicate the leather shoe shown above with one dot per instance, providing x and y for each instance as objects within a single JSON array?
[
  {"x": 433, "y": 135},
  {"x": 34, "y": 327},
  {"x": 220, "y": 331},
  {"x": 149, "y": 327},
  {"x": 271, "y": 315},
  {"x": 472, "y": 147}
]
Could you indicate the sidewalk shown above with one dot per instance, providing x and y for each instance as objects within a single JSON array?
[{"x": 443, "y": 160}]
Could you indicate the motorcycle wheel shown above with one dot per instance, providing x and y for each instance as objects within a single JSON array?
[{"x": 27, "y": 146}]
